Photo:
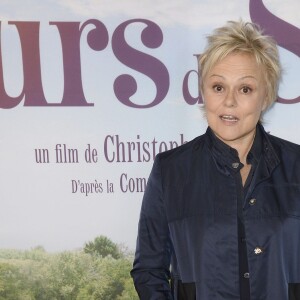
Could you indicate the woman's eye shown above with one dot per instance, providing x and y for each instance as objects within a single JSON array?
[
  {"x": 218, "y": 88},
  {"x": 245, "y": 90}
]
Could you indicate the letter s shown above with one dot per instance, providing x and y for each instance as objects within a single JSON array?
[
  {"x": 125, "y": 85},
  {"x": 286, "y": 35}
]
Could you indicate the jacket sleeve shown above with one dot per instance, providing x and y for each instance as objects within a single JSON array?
[{"x": 151, "y": 265}]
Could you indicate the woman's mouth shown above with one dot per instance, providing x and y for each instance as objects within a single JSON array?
[{"x": 229, "y": 118}]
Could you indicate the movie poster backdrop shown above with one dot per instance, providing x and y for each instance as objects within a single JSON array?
[{"x": 91, "y": 91}]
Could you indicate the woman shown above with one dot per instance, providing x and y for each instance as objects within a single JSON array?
[{"x": 221, "y": 214}]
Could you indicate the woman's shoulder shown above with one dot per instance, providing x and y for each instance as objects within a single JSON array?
[
  {"x": 182, "y": 151},
  {"x": 285, "y": 145},
  {"x": 287, "y": 151}
]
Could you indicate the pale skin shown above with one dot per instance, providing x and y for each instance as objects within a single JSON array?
[{"x": 234, "y": 94}]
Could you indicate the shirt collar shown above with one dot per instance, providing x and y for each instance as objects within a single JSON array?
[{"x": 227, "y": 158}]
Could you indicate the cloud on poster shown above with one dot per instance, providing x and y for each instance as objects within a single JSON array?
[
  {"x": 168, "y": 13},
  {"x": 191, "y": 13}
]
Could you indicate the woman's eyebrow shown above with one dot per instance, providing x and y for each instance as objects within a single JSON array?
[
  {"x": 242, "y": 78},
  {"x": 216, "y": 75},
  {"x": 249, "y": 76}
]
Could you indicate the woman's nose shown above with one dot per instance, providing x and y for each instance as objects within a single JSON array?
[{"x": 230, "y": 99}]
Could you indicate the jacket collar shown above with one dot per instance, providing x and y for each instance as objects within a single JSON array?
[
  {"x": 270, "y": 155},
  {"x": 227, "y": 160}
]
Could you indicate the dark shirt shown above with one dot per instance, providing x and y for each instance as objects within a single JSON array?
[{"x": 252, "y": 158}]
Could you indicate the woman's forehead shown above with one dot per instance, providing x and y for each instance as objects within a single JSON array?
[{"x": 242, "y": 65}]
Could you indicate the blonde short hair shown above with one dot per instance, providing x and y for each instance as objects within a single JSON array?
[{"x": 245, "y": 37}]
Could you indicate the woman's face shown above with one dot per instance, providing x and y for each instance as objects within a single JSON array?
[{"x": 234, "y": 94}]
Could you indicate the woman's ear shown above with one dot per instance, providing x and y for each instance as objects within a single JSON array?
[
  {"x": 265, "y": 102},
  {"x": 201, "y": 92},
  {"x": 202, "y": 97},
  {"x": 265, "y": 106}
]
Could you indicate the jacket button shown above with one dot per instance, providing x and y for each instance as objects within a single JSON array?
[
  {"x": 252, "y": 201},
  {"x": 246, "y": 275},
  {"x": 258, "y": 250},
  {"x": 235, "y": 165}
]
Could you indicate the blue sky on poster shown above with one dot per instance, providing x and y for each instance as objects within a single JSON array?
[{"x": 37, "y": 206}]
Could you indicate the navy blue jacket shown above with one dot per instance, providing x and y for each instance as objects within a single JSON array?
[{"x": 188, "y": 224}]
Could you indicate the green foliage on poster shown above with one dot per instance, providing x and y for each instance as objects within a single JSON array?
[
  {"x": 70, "y": 275},
  {"x": 103, "y": 246}
]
